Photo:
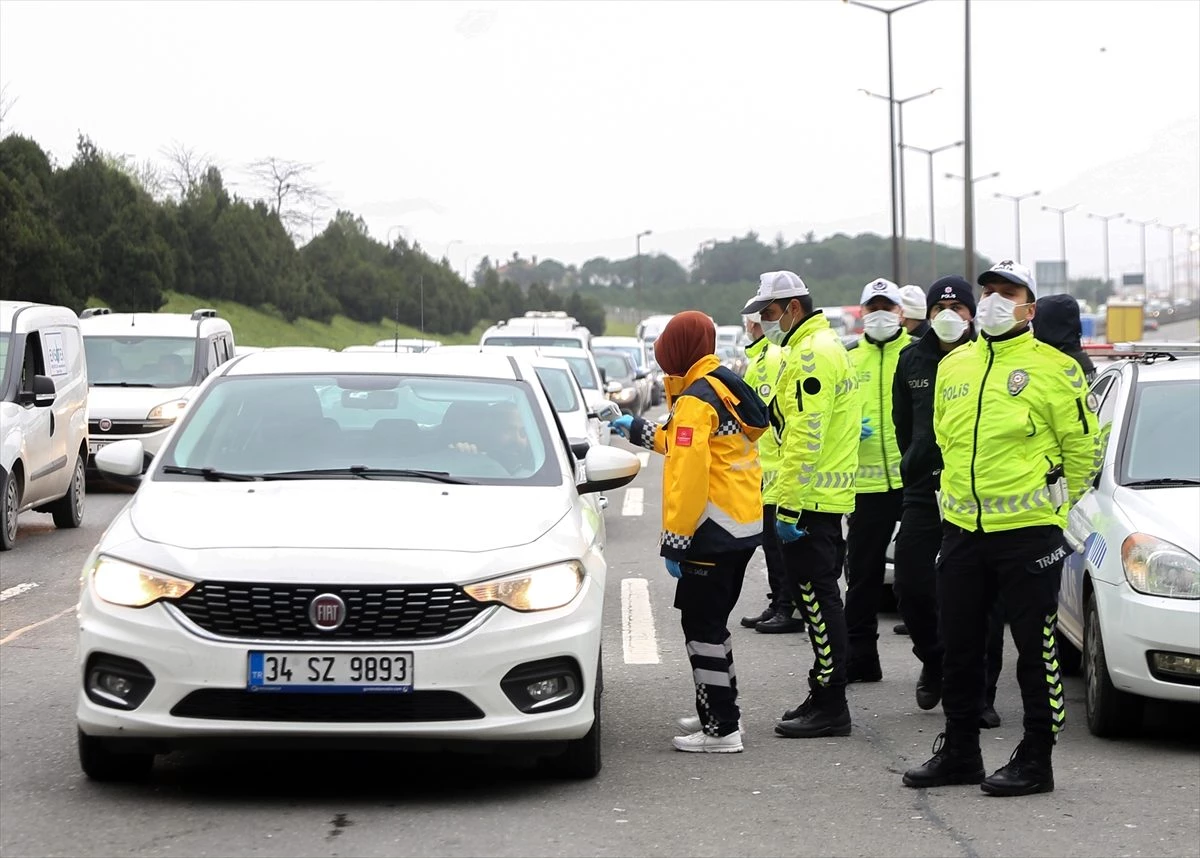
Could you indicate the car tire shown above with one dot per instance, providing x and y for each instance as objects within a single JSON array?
[
  {"x": 582, "y": 758},
  {"x": 1070, "y": 660},
  {"x": 1111, "y": 713},
  {"x": 68, "y": 510},
  {"x": 103, "y": 760},
  {"x": 10, "y": 504}
]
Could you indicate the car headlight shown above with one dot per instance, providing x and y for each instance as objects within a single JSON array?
[
  {"x": 132, "y": 586},
  {"x": 533, "y": 590},
  {"x": 168, "y": 410},
  {"x": 625, "y": 394},
  {"x": 1158, "y": 568}
]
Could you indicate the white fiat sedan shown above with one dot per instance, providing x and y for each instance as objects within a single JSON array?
[{"x": 356, "y": 549}]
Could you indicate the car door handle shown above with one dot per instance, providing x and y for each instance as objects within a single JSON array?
[
  {"x": 52, "y": 424},
  {"x": 603, "y": 502}
]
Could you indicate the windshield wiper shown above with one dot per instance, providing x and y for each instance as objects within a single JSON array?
[
  {"x": 211, "y": 474},
  {"x": 368, "y": 473},
  {"x": 1162, "y": 481},
  {"x": 123, "y": 384}
]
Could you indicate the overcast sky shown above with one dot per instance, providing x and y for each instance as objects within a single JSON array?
[{"x": 562, "y": 129}]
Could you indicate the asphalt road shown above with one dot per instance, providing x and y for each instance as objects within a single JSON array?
[{"x": 795, "y": 797}]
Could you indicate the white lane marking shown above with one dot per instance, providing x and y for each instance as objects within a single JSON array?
[
  {"x": 637, "y": 623},
  {"x": 17, "y": 590},
  {"x": 632, "y": 504},
  {"x": 643, "y": 459},
  {"x": 11, "y": 636}
]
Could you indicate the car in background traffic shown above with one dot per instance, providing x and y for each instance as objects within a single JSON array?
[
  {"x": 1129, "y": 605},
  {"x": 408, "y": 344},
  {"x": 733, "y": 358},
  {"x": 642, "y": 358},
  {"x": 624, "y": 383},
  {"x": 351, "y": 549}
]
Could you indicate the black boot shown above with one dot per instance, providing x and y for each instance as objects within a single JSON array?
[
  {"x": 1028, "y": 771},
  {"x": 781, "y": 622},
  {"x": 864, "y": 667},
  {"x": 989, "y": 718},
  {"x": 929, "y": 688},
  {"x": 827, "y": 715},
  {"x": 805, "y": 707},
  {"x": 956, "y": 760},
  {"x": 900, "y": 629},
  {"x": 751, "y": 622}
]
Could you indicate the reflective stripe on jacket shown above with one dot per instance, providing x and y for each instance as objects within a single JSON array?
[
  {"x": 766, "y": 360},
  {"x": 1005, "y": 412},
  {"x": 879, "y": 455},
  {"x": 712, "y": 482},
  {"x": 817, "y": 416}
]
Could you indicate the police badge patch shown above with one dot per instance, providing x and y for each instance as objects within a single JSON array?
[
  {"x": 764, "y": 389},
  {"x": 1017, "y": 379},
  {"x": 1093, "y": 404}
]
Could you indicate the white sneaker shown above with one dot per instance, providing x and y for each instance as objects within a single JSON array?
[
  {"x": 691, "y": 724},
  {"x": 702, "y": 743}
]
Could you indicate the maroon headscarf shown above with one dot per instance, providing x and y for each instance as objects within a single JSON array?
[{"x": 689, "y": 336}]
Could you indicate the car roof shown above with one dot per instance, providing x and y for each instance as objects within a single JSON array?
[
  {"x": 616, "y": 341},
  {"x": 151, "y": 324},
  {"x": 10, "y": 309},
  {"x": 1185, "y": 368},
  {"x": 467, "y": 364}
]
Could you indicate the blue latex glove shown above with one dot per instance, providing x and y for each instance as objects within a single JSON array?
[
  {"x": 788, "y": 532},
  {"x": 673, "y": 567},
  {"x": 867, "y": 430},
  {"x": 623, "y": 425}
]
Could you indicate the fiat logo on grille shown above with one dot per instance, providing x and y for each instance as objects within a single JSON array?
[
  {"x": 105, "y": 424},
  {"x": 327, "y": 612}
]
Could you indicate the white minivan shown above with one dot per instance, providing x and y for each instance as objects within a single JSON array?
[
  {"x": 143, "y": 369},
  {"x": 43, "y": 415}
]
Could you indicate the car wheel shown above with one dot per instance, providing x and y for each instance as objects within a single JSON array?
[
  {"x": 582, "y": 760},
  {"x": 68, "y": 510},
  {"x": 1110, "y": 711},
  {"x": 1070, "y": 660},
  {"x": 10, "y": 504},
  {"x": 103, "y": 760}
]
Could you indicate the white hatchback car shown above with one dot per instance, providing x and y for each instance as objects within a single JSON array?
[
  {"x": 1130, "y": 600},
  {"x": 352, "y": 548}
]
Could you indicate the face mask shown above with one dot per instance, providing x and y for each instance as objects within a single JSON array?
[
  {"x": 881, "y": 325},
  {"x": 949, "y": 326},
  {"x": 774, "y": 331},
  {"x": 995, "y": 314}
]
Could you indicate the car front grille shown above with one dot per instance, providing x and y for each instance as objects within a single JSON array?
[
  {"x": 280, "y": 611},
  {"x": 126, "y": 427},
  {"x": 235, "y": 704}
]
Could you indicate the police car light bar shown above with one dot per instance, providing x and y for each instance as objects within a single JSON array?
[{"x": 1141, "y": 349}]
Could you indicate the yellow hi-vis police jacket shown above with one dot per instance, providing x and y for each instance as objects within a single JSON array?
[
  {"x": 1005, "y": 412},
  {"x": 712, "y": 482},
  {"x": 879, "y": 455},
  {"x": 817, "y": 417},
  {"x": 766, "y": 360}
]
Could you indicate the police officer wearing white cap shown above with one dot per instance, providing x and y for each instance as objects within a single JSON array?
[{"x": 912, "y": 300}]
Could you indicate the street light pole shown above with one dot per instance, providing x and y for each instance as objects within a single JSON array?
[
  {"x": 449, "y": 245},
  {"x": 899, "y": 104},
  {"x": 929, "y": 153},
  {"x": 1171, "y": 256},
  {"x": 969, "y": 217},
  {"x": 1062, "y": 240},
  {"x": 968, "y": 150},
  {"x": 1145, "y": 277},
  {"x": 637, "y": 294},
  {"x": 1016, "y": 200},
  {"x": 1106, "y": 219},
  {"x": 891, "y": 123}
]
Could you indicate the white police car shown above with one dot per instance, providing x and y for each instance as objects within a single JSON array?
[{"x": 1130, "y": 600}]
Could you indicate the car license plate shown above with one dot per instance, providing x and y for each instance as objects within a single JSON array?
[
  {"x": 332, "y": 672},
  {"x": 94, "y": 446}
]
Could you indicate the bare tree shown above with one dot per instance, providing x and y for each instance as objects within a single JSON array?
[
  {"x": 6, "y": 104},
  {"x": 145, "y": 174},
  {"x": 185, "y": 168},
  {"x": 290, "y": 190}
]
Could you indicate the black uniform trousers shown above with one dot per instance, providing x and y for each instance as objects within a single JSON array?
[
  {"x": 813, "y": 568},
  {"x": 917, "y": 547},
  {"x": 1022, "y": 570},
  {"x": 780, "y": 598},
  {"x": 870, "y": 530},
  {"x": 705, "y": 594}
]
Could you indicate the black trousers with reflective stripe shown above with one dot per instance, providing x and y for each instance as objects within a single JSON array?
[
  {"x": 870, "y": 530},
  {"x": 705, "y": 594},
  {"x": 780, "y": 598},
  {"x": 813, "y": 568},
  {"x": 917, "y": 547},
  {"x": 1021, "y": 569}
]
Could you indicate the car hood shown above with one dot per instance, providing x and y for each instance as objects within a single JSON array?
[
  {"x": 131, "y": 403},
  {"x": 1168, "y": 513},
  {"x": 345, "y": 514}
]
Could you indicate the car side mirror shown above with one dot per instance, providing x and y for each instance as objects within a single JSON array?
[
  {"x": 612, "y": 387},
  {"x": 42, "y": 394},
  {"x": 608, "y": 468},
  {"x": 580, "y": 448},
  {"x": 640, "y": 374},
  {"x": 603, "y": 375},
  {"x": 123, "y": 460}
]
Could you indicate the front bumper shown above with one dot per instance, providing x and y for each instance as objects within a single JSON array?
[
  {"x": 1133, "y": 625},
  {"x": 470, "y": 663}
]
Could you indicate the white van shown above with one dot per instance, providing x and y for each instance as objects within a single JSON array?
[
  {"x": 144, "y": 367},
  {"x": 553, "y": 333},
  {"x": 43, "y": 415}
]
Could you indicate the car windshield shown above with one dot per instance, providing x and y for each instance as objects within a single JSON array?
[
  {"x": 614, "y": 365},
  {"x": 140, "y": 361},
  {"x": 559, "y": 387},
  {"x": 635, "y": 353},
  {"x": 469, "y": 429},
  {"x": 582, "y": 368},
  {"x": 1164, "y": 434},
  {"x": 531, "y": 340}
]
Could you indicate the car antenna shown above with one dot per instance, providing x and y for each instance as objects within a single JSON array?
[
  {"x": 422, "y": 282},
  {"x": 396, "y": 339}
]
